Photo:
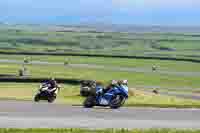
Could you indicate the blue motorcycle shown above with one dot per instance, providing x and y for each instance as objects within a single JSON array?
[{"x": 114, "y": 97}]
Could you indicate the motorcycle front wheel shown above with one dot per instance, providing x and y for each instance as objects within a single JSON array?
[
  {"x": 37, "y": 98},
  {"x": 117, "y": 102},
  {"x": 51, "y": 99}
]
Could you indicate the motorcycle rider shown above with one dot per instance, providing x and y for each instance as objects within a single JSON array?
[
  {"x": 53, "y": 86},
  {"x": 107, "y": 88},
  {"x": 110, "y": 89},
  {"x": 111, "y": 85},
  {"x": 123, "y": 82}
]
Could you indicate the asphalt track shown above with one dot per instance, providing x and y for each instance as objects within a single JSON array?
[{"x": 43, "y": 115}]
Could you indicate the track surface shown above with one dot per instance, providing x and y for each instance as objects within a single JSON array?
[{"x": 43, "y": 115}]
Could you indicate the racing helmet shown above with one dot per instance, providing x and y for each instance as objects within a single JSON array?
[
  {"x": 125, "y": 82},
  {"x": 114, "y": 82}
]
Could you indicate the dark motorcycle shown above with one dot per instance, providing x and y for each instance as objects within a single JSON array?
[{"x": 45, "y": 93}]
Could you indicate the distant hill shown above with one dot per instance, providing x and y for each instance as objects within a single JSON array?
[
  {"x": 134, "y": 28},
  {"x": 101, "y": 27},
  {"x": 85, "y": 38}
]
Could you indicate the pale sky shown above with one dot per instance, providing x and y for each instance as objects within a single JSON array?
[{"x": 140, "y": 12}]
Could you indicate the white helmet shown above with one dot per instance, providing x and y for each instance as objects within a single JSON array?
[
  {"x": 114, "y": 82},
  {"x": 125, "y": 81}
]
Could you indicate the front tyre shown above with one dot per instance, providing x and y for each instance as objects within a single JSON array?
[
  {"x": 89, "y": 102},
  {"x": 37, "y": 98},
  {"x": 117, "y": 102}
]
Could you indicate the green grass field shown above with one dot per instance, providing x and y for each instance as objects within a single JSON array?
[
  {"x": 180, "y": 45},
  {"x": 70, "y": 95},
  {"x": 136, "y": 79},
  {"x": 75, "y": 130},
  {"x": 28, "y": 39},
  {"x": 173, "y": 66}
]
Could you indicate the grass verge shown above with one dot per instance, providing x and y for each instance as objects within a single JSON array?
[
  {"x": 135, "y": 78},
  {"x": 145, "y": 99},
  {"x": 69, "y": 94},
  {"x": 75, "y": 130}
]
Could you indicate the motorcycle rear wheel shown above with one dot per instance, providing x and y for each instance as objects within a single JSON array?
[{"x": 89, "y": 102}]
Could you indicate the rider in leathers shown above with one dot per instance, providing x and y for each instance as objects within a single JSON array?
[
  {"x": 113, "y": 84},
  {"x": 53, "y": 86}
]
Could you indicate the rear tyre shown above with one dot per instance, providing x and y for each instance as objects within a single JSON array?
[
  {"x": 117, "y": 102},
  {"x": 37, "y": 98},
  {"x": 89, "y": 102}
]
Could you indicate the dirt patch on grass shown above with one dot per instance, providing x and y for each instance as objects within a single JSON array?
[{"x": 137, "y": 92}]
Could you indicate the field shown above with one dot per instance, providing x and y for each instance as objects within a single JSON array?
[
  {"x": 136, "y": 79},
  {"x": 97, "y": 131},
  {"x": 164, "y": 65},
  {"x": 69, "y": 94},
  {"x": 184, "y": 45},
  {"x": 170, "y": 75},
  {"x": 26, "y": 91}
]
